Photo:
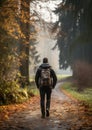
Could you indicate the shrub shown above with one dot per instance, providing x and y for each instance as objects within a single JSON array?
[
  {"x": 83, "y": 73},
  {"x": 10, "y": 92}
]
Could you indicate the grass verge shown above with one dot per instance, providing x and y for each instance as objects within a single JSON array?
[
  {"x": 83, "y": 96},
  {"x": 63, "y": 76}
]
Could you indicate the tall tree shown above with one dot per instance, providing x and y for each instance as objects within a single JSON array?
[
  {"x": 15, "y": 30},
  {"x": 8, "y": 39},
  {"x": 24, "y": 41},
  {"x": 75, "y": 24}
]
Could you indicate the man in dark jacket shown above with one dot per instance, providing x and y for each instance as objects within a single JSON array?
[{"x": 47, "y": 89}]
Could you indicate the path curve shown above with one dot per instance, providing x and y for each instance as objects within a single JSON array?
[{"x": 59, "y": 95}]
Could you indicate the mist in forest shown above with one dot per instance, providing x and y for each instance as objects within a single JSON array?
[{"x": 45, "y": 42}]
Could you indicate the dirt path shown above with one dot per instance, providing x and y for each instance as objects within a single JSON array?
[{"x": 65, "y": 114}]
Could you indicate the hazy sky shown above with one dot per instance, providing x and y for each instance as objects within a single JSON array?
[
  {"x": 45, "y": 9},
  {"x": 45, "y": 42}
]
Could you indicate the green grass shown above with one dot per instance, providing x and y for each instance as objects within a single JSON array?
[
  {"x": 85, "y": 95},
  {"x": 33, "y": 91},
  {"x": 59, "y": 76}
]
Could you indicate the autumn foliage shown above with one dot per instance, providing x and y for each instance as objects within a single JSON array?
[{"x": 15, "y": 42}]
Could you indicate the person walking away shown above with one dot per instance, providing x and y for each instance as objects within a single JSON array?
[{"x": 45, "y": 79}]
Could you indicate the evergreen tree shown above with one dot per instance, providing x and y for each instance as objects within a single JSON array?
[{"x": 75, "y": 25}]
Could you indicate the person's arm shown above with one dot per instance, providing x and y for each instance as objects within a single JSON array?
[
  {"x": 54, "y": 78},
  {"x": 37, "y": 78}
]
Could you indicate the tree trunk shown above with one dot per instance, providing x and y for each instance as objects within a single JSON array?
[{"x": 24, "y": 42}]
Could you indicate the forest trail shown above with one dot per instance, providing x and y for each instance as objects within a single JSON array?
[{"x": 65, "y": 114}]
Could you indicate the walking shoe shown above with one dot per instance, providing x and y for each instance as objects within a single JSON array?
[
  {"x": 43, "y": 116},
  {"x": 47, "y": 113}
]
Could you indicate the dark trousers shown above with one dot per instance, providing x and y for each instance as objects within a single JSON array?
[{"x": 45, "y": 97}]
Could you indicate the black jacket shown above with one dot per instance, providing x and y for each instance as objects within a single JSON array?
[{"x": 38, "y": 74}]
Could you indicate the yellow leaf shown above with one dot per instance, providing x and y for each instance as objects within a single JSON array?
[{"x": 6, "y": 117}]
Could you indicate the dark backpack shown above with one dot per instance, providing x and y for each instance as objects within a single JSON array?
[{"x": 45, "y": 79}]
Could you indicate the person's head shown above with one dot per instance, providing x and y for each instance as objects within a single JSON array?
[{"x": 45, "y": 60}]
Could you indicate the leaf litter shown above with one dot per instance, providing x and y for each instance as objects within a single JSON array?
[{"x": 64, "y": 114}]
